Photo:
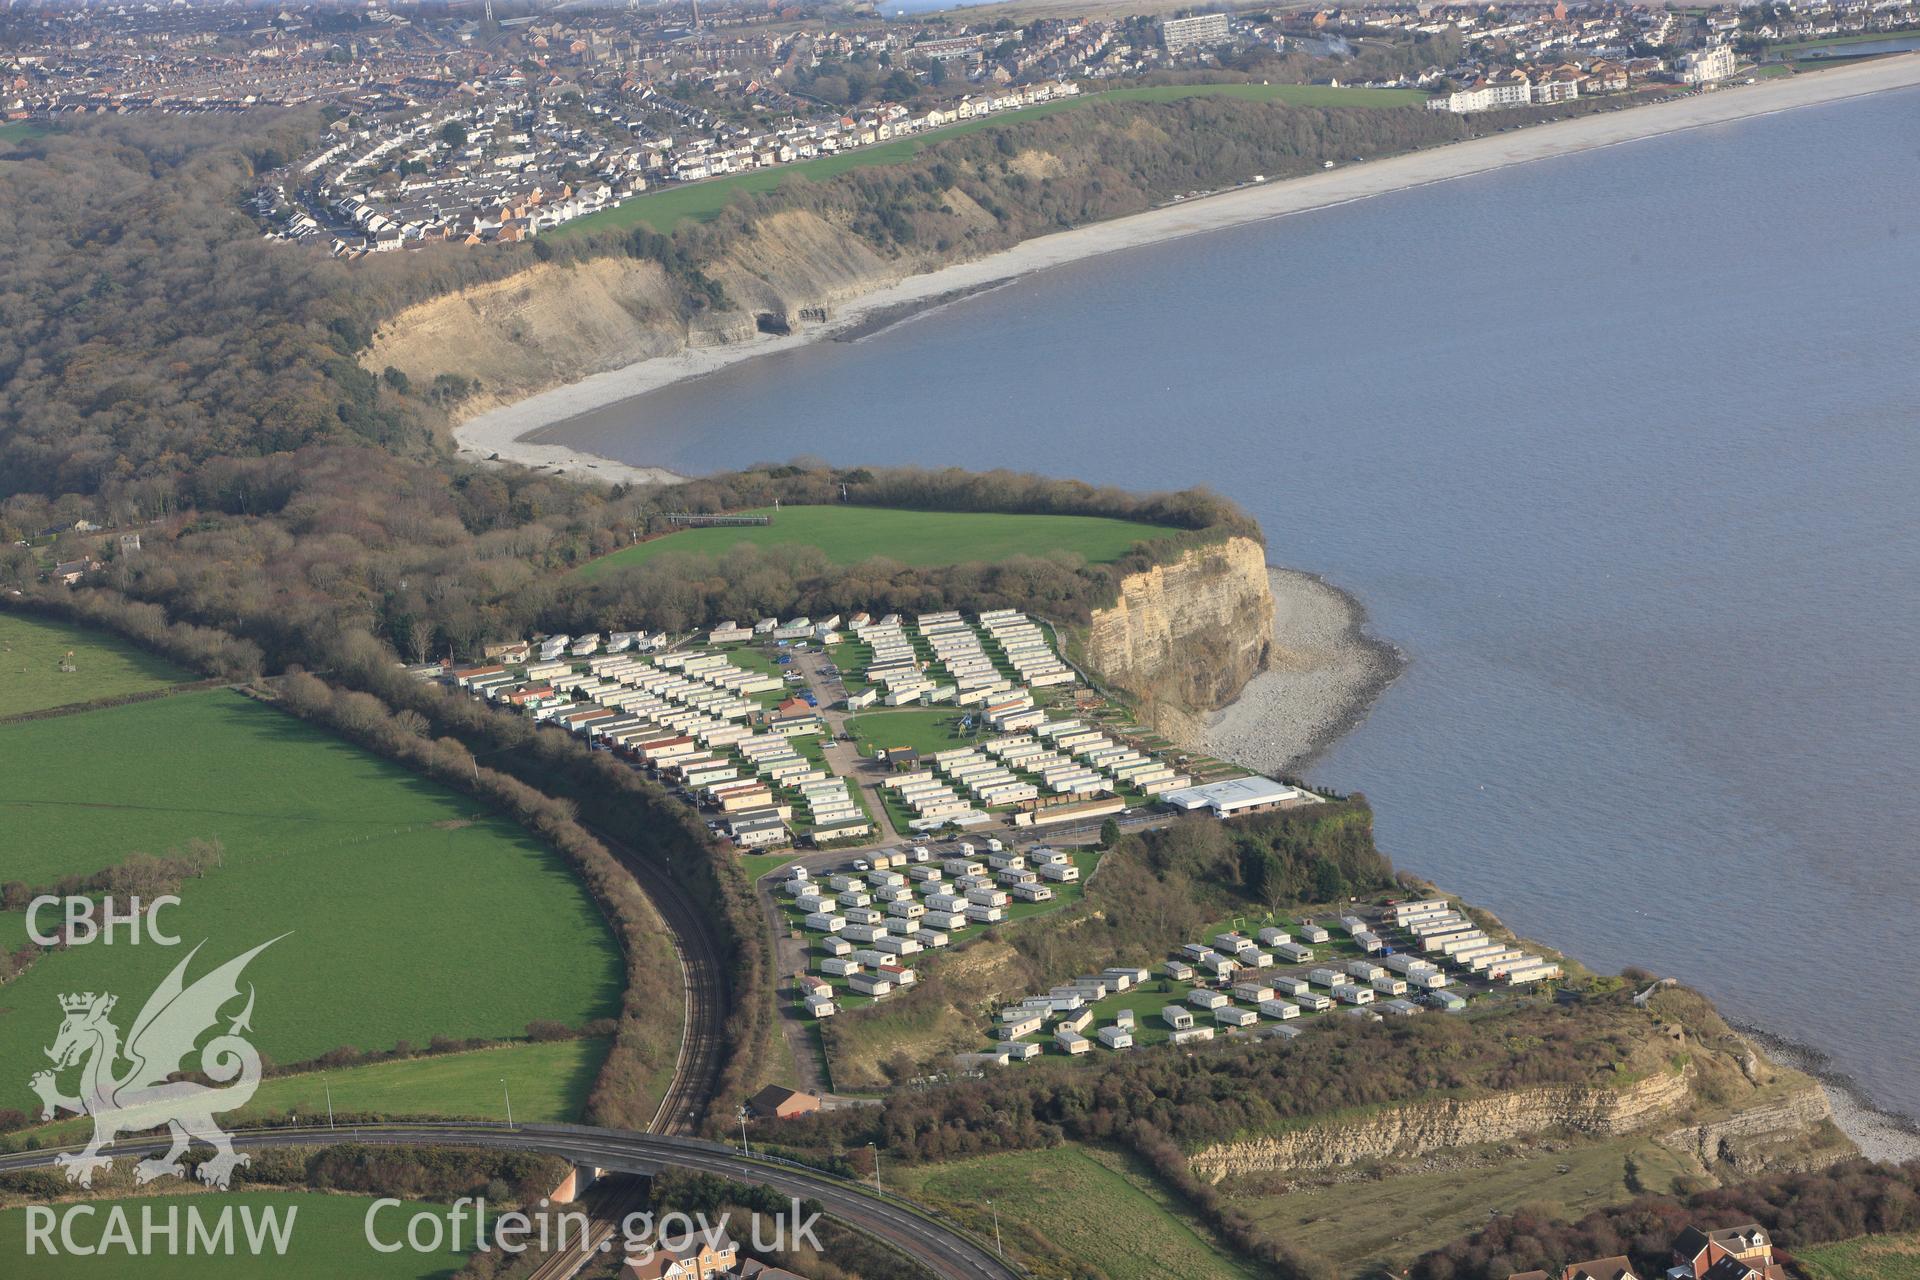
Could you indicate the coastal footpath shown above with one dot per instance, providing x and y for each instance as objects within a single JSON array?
[{"x": 560, "y": 341}]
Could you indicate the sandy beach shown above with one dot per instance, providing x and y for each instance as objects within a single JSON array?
[
  {"x": 501, "y": 432},
  {"x": 1323, "y": 675}
]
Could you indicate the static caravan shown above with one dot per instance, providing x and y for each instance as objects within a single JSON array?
[
  {"x": 1191, "y": 1034},
  {"x": 1177, "y": 1018},
  {"x": 870, "y": 984},
  {"x": 825, "y": 922},
  {"x": 1313, "y": 933},
  {"x": 1018, "y": 1022},
  {"x": 1223, "y": 967},
  {"x": 839, "y": 966},
  {"x": 1203, "y": 999},
  {"x": 1293, "y": 952},
  {"x": 1315, "y": 1001},
  {"x": 1348, "y": 993},
  {"x": 1292, "y": 986},
  {"x": 1179, "y": 971},
  {"x": 1116, "y": 1037},
  {"x": 1060, "y": 872},
  {"x": 1252, "y": 992},
  {"x": 1019, "y": 1051},
  {"x": 1279, "y": 1009},
  {"x": 1387, "y": 986},
  {"x": 1032, "y": 892},
  {"x": 1234, "y": 1016}
]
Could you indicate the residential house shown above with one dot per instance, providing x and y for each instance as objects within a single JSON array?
[
  {"x": 1744, "y": 1252},
  {"x": 777, "y": 1102},
  {"x": 1614, "y": 1268}
]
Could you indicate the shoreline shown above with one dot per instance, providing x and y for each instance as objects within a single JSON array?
[
  {"x": 1329, "y": 671},
  {"x": 510, "y": 433},
  {"x": 1879, "y": 1133},
  {"x": 1325, "y": 672}
]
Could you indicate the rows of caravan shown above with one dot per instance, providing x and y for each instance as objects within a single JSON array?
[
  {"x": 1027, "y": 650},
  {"x": 1443, "y": 933},
  {"x": 934, "y": 803},
  {"x": 917, "y": 904},
  {"x": 685, "y": 714}
]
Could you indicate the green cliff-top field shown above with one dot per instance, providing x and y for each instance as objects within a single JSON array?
[
  {"x": 31, "y": 650},
  {"x": 849, "y": 535},
  {"x": 377, "y": 875},
  {"x": 1864, "y": 1258},
  {"x": 662, "y": 210},
  {"x": 1095, "y": 1207}
]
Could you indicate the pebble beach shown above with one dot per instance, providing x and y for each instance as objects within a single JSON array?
[{"x": 1323, "y": 673}]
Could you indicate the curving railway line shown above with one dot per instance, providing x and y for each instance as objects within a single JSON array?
[{"x": 696, "y": 1074}]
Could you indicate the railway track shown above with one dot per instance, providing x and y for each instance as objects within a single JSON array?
[{"x": 696, "y": 1075}]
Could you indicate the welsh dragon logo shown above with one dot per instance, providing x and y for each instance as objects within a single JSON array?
[{"x": 143, "y": 1096}]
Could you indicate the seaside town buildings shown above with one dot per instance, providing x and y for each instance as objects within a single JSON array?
[{"x": 441, "y": 125}]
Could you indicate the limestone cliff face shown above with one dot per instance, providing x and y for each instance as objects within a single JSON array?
[
  {"x": 1186, "y": 637},
  {"x": 1792, "y": 1131},
  {"x": 1436, "y": 1126}
]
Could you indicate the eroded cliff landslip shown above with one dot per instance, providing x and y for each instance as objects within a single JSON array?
[
  {"x": 553, "y": 323},
  {"x": 1185, "y": 637}
]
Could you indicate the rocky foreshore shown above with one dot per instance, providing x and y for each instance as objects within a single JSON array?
[{"x": 1323, "y": 673}]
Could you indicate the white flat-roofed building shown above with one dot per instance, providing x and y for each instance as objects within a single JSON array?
[{"x": 1252, "y": 794}]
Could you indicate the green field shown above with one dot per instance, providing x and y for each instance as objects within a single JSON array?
[
  {"x": 327, "y": 1240},
  {"x": 925, "y": 729},
  {"x": 106, "y": 666},
  {"x": 413, "y": 911},
  {"x": 849, "y": 535},
  {"x": 1364, "y": 1225},
  {"x": 1797, "y": 47},
  {"x": 1863, "y": 1258},
  {"x": 550, "y": 1082},
  {"x": 758, "y": 864},
  {"x": 1092, "y": 1207},
  {"x": 665, "y": 208}
]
